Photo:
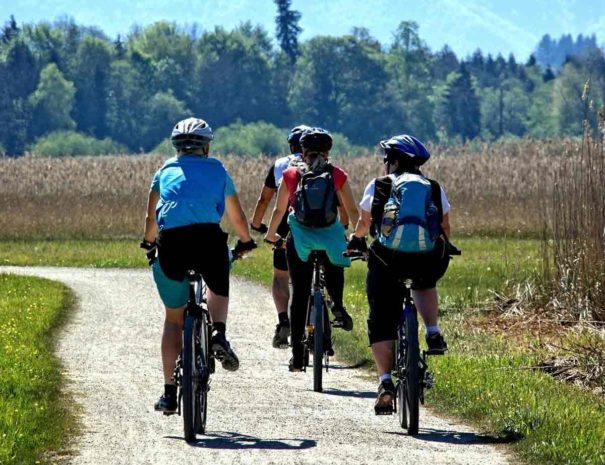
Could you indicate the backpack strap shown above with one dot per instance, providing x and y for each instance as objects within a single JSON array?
[
  {"x": 436, "y": 198},
  {"x": 382, "y": 192}
]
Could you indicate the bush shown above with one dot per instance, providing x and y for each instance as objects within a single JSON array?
[
  {"x": 164, "y": 148},
  {"x": 251, "y": 139},
  {"x": 61, "y": 143}
]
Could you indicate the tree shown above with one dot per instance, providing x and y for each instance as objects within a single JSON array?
[
  {"x": 287, "y": 30},
  {"x": 52, "y": 102},
  {"x": 458, "y": 112},
  {"x": 10, "y": 30},
  {"x": 341, "y": 83},
  {"x": 162, "y": 111},
  {"x": 92, "y": 65}
]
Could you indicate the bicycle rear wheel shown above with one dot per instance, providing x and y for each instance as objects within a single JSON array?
[
  {"x": 412, "y": 370},
  {"x": 204, "y": 366},
  {"x": 191, "y": 378},
  {"x": 318, "y": 341}
]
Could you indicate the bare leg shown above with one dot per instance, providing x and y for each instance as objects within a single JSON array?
[
  {"x": 171, "y": 341},
  {"x": 383, "y": 356},
  {"x": 281, "y": 290},
  {"x": 218, "y": 306},
  {"x": 427, "y": 302}
]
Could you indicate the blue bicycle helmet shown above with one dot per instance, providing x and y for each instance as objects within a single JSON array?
[
  {"x": 405, "y": 147},
  {"x": 295, "y": 133}
]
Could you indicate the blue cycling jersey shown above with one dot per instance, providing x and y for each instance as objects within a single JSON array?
[{"x": 192, "y": 190}]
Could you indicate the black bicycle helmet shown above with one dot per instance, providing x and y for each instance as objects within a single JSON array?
[
  {"x": 295, "y": 133},
  {"x": 316, "y": 140},
  {"x": 191, "y": 133}
]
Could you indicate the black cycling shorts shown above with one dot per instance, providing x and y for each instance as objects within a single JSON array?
[
  {"x": 201, "y": 247},
  {"x": 385, "y": 285}
]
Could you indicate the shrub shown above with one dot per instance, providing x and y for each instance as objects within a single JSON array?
[
  {"x": 61, "y": 143},
  {"x": 251, "y": 139}
]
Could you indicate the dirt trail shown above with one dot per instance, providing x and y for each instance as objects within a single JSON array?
[{"x": 261, "y": 414}]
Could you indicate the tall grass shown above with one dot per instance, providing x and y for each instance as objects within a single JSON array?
[
  {"x": 575, "y": 258},
  {"x": 491, "y": 188}
]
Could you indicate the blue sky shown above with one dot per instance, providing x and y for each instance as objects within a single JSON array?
[{"x": 495, "y": 26}]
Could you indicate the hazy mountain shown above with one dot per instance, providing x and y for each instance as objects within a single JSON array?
[{"x": 493, "y": 25}]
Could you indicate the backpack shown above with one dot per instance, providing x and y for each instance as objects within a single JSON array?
[
  {"x": 315, "y": 201},
  {"x": 410, "y": 219}
]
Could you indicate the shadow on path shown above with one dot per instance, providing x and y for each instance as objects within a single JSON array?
[
  {"x": 456, "y": 437},
  {"x": 235, "y": 441},
  {"x": 345, "y": 393}
]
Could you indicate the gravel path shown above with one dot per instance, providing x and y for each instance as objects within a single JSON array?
[{"x": 260, "y": 414}]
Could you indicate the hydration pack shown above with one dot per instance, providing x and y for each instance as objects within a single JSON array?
[
  {"x": 410, "y": 219},
  {"x": 315, "y": 200}
]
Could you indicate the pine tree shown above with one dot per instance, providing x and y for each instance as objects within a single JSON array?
[{"x": 288, "y": 29}]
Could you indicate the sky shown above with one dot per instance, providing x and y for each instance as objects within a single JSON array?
[{"x": 495, "y": 26}]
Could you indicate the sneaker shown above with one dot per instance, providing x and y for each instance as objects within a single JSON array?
[
  {"x": 280, "y": 338},
  {"x": 224, "y": 353},
  {"x": 294, "y": 367},
  {"x": 342, "y": 318},
  {"x": 385, "y": 397},
  {"x": 436, "y": 343},
  {"x": 167, "y": 404}
]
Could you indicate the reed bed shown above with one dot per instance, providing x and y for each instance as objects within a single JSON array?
[{"x": 492, "y": 188}]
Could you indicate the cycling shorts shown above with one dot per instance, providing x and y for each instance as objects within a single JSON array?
[{"x": 200, "y": 247}]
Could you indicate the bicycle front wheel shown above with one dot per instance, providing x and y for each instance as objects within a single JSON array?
[
  {"x": 191, "y": 376},
  {"x": 318, "y": 341},
  {"x": 412, "y": 373}
]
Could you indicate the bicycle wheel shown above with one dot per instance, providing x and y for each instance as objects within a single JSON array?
[
  {"x": 318, "y": 341},
  {"x": 412, "y": 372},
  {"x": 191, "y": 405},
  {"x": 400, "y": 386}
]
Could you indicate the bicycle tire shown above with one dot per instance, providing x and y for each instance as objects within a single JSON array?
[
  {"x": 204, "y": 360},
  {"x": 189, "y": 386},
  {"x": 318, "y": 341},
  {"x": 400, "y": 386},
  {"x": 412, "y": 369}
]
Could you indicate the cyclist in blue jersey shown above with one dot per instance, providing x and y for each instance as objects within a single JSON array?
[{"x": 189, "y": 195}]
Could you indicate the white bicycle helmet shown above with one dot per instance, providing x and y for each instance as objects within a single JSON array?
[{"x": 191, "y": 133}]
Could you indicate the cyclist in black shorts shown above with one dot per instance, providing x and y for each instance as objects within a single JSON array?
[
  {"x": 387, "y": 268},
  {"x": 280, "y": 286}
]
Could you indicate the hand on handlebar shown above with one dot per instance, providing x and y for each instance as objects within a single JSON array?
[
  {"x": 241, "y": 248},
  {"x": 356, "y": 246},
  {"x": 151, "y": 249}
]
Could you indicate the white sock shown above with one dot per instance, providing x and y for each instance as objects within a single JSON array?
[
  {"x": 432, "y": 329},
  {"x": 384, "y": 376}
]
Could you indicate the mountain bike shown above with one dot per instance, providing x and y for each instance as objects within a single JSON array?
[
  {"x": 410, "y": 366},
  {"x": 196, "y": 362},
  {"x": 318, "y": 330}
]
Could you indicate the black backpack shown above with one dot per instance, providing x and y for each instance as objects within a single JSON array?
[{"x": 315, "y": 199}]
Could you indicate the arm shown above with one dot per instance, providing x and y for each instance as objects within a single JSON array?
[
  {"x": 363, "y": 225},
  {"x": 345, "y": 196},
  {"x": 262, "y": 203},
  {"x": 281, "y": 205},
  {"x": 237, "y": 217},
  {"x": 445, "y": 225},
  {"x": 343, "y": 217},
  {"x": 151, "y": 226}
]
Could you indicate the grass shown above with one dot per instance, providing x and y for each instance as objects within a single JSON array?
[
  {"x": 34, "y": 415},
  {"x": 487, "y": 378}
]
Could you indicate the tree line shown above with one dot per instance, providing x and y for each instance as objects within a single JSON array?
[{"x": 129, "y": 91}]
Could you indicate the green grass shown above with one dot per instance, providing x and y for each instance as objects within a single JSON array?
[
  {"x": 35, "y": 417},
  {"x": 485, "y": 379}
]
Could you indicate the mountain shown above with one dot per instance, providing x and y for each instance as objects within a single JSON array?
[{"x": 512, "y": 26}]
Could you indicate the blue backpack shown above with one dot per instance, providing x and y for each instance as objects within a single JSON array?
[{"x": 411, "y": 217}]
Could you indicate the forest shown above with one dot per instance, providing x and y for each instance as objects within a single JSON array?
[{"x": 70, "y": 89}]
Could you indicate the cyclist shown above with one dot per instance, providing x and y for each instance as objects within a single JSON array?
[
  {"x": 386, "y": 267},
  {"x": 280, "y": 286},
  {"x": 316, "y": 144},
  {"x": 187, "y": 199}
]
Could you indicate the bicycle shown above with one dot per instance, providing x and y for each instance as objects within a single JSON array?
[
  {"x": 318, "y": 330},
  {"x": 410, "y": 367},
  {"x": 196, "y": 362}
]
